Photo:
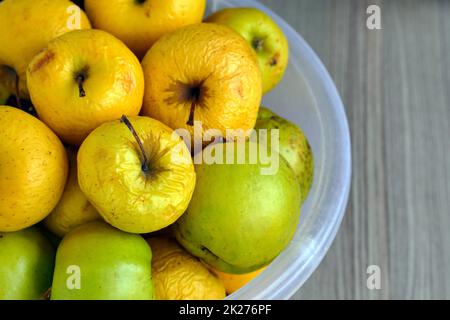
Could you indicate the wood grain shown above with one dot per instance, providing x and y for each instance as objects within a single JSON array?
[{"x": 395, "y": 85}]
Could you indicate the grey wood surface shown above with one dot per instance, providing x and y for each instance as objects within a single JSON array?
[{"x": 395, "y": 85}]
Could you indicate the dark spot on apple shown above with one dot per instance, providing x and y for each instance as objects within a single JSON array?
[
  {"x": 140, "y": 2},
  {"x": 240, "y": 91},
  {"x": 86, "y": 206},
  {"x": 128, "y": 82},
  {"x": 274, "y": 60},
  {"x": 43, "y": 61}
]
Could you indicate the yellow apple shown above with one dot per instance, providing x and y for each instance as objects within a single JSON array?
[
  {"x": 204, "y": 72},
  {"x": 74, "y": 208},
  {"x": 83, "y": 79},
  {"x": 28, "y": 25},
  {"x": 139, "y": 23},
  {"x": 179, "y": 276},
  {"x": 33, "y": 170},
  {"x": 138, "y": 174}
]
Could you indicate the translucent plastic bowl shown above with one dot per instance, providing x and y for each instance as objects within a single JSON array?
[{"x": 308, "y": 97}]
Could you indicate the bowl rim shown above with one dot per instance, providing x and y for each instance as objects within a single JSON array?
[{"x": 296, "y": 277}]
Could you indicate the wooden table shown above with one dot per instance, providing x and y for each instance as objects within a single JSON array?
[{"x": 395, "y": 85}]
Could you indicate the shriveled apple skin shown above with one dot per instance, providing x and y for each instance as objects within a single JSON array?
[
  {"x": 110, "y": 175},
  {"x": 294, "y": 147},
  {"x": 113, "y": 265},
  {"x": 33, "y": 169},
  {"x": 26, "y": 267},
  {"x": 26, "y": 29},
  {"x": 215, "y": 60},
  {"x": 177, "y": 275},
  {"x": 114, "y": 83},
  {"x": 255, "y": 25},
  {"x": 73, "y": 209},
  {"x": 139, "y": 25},
  {"x": 239, "y": 220}
]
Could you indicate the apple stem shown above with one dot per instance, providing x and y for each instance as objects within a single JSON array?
[
  {"x": 127, "y": 122},
  {"x": 190, "y": 121},
  {"x": 19, "y": 103},
  {"x": 80, "y": 80}
]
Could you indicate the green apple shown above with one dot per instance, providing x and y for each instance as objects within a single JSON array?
[
  {"x": 26, "y": 267},
  {"x": 98, "y": 262},
  {"x": 239, "y": 219},
  {"x": 293, "y": 146},
  {"x": 264, "y": 35}
]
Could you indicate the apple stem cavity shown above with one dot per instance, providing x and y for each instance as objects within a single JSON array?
[
  {"x": 194, "y": 94},
  {"x": 258, "y": 44},
  {"x": 130, "y": 127},
  {"x": 80, "y": 80}
]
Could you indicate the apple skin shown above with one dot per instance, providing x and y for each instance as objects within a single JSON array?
[
  {"x": 113, "y": 265},
  {"x": 33, "y": 169},
  {"x": 26, "y": 268},
  {"x": 293, "y": 146},
  {"x": 265, "y": 37},
  {"x": 113, "y": 83},
  {"x": 110, "y": 175},
  {"x": 239, "y": 220},
  {"x": 139, "y": 24},
  {"x": 234, "y": 282},
  {"x": 177, "y": 275}
]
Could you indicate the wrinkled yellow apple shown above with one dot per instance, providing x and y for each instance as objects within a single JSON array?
[
  {"x": 138, "y": 192},
  {"x": 74, "y": 208},
  {"x": 26, "y": 26},
  {"x": 33, "y": 169},
  {"x": 83, "y": 79},
  {"x": 179, "y": 276},
  {"x": 140, "y": 23},
  {"x": 204, "y": 72}
]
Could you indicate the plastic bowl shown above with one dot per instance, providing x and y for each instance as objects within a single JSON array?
[{"x": 308, "y": 97}]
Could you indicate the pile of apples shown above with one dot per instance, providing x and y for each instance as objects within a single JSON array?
[{"x": 108, "y": 111}]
